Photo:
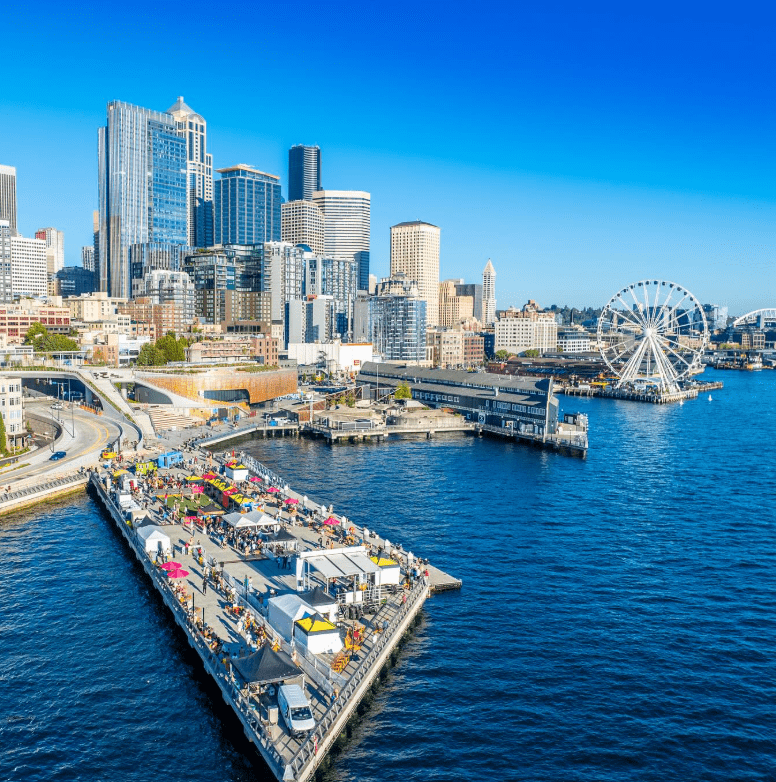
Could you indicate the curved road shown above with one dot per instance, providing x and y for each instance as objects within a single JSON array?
[{"x": 92, "y": 434}]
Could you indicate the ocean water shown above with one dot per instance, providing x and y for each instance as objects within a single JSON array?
[{"x": 617, "y": 619}]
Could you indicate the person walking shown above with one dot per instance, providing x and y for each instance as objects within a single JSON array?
[{"x": 204, "y": 584}]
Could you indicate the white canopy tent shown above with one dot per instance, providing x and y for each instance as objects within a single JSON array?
[
  {"x": 152, "y": 538},
  {"x": 239, "y": 520},
  {"x": 284, "y": 610},
  {"x": 261, "y": 519},
  {"x": 318, "y": 634}
]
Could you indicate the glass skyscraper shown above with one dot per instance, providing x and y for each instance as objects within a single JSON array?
[
  {"x": 142, "y": 189},
  {"x": 247, "y": 206},
  {"x": 304, "y": 172}
]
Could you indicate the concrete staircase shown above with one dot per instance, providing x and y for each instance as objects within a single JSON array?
[{"x": 167, "y": 419}]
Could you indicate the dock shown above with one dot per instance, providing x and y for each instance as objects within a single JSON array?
[
  {"x": 229, "y": 620},
  {"x": 650, "y": 397}
]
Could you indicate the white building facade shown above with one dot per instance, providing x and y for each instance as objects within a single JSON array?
[
  {"x": 29, "y": 267},
  {"x": 415, "y": 253},
  {"x": 488, "y": 294},
  {"x": 302, "y": 222}
]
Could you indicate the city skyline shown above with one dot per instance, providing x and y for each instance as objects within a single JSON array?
[{"x": 637, "y": 152}]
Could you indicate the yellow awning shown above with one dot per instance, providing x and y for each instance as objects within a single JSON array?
[
  {"x": 383, "y": 562},
  {"x": 311, "y": 624}
]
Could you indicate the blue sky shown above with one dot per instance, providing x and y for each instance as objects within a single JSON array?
[{"x": 581, "y": 146}]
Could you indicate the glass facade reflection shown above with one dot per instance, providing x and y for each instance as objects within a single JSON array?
[{"x": 247, "y": 206}]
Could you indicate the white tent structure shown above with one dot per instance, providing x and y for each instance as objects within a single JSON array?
[
  {"x": 152, "y": 537},
  {"x": 319, "y": 635},
  {"x": 284, "y": 610},
  {"x": 236, "y": 471},
  {"x": 239, "y": 520},
  {"x": 390, "y": 571},
  {"x": 261, "y": 519}
]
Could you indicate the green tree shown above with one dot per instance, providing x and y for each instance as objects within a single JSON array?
[
  {"x": 172, "y": 348},
  {"x": 151, "y": 356},
  {"x": 34, "y": 333},
  {"x": 403, "y": 391},
  {"x": 503, "y": 355},
  {"x": 56, "y": 342},
  {"x": 3, "y": 444},
  {"x": 532, "y": 353}
]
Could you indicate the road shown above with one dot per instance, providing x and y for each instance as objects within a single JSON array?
[{"x": 92, "y": 434}]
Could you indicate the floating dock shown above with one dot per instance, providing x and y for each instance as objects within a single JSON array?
[{"x": 216, "y": 622}]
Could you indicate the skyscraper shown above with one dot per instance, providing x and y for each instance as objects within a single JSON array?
[
  {"x": 142, "y": 188},
  {"x": 199, "y": 174},
  {"x": 29, "y": 275},
  {"x": 397, "y": 320},
  {"x": 304, "y": 172},
  {"x": 55, "y": 248},
  {"x": 415, "y": 253},
  {"x": 489, "y": 294},
  {"x": 348, "y": 218},
  {"x": 8, "y": 196},
  {"x": 453, "y": 307},
  {"x": 6, "y": 282},
  {"x": 247, "y": 206},
  {"x": 87, "y": 258},
  {"x": 302, "y": 222}
]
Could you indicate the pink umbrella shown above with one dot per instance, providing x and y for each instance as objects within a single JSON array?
[
  {"x": 255, "y": 478},
  {"x": 272, "y": 490},
  {"x": 177, "y": 573},
  {"x": 331, "y": 521},
  {"x": 171, "y": 565},
  {"x": 291, "y": 501}
]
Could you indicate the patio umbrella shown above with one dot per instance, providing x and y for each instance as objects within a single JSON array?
[
  {"x": 171, "y": 565},
  {"x": 331, "y": 521},
  {"x": 272, "y": 490},
  {"x": 255, "y": 478},
  {"x": 177, "y": 573},
  {"x": 291, "y": 501}
]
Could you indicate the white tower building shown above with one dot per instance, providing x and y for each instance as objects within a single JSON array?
[
  {"x": 489, "y": 294},
  {"x": 415, "y": 253}
]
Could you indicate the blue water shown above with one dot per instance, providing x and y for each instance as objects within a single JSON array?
[{"x": 617, "y": 621}]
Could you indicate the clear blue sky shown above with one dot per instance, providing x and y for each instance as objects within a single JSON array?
[{"x": 581, "y": 146}]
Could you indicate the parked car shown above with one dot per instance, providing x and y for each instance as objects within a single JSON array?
[
  {"x": 55, "y": 457},
  {"x": 57, "y": 406}
]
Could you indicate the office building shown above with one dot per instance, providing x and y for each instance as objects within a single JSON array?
[
  {"x": 304, "y": 172},
  {"x": 335, "y": 277},
  {"x": 488, "y": 294},
  {"x": 453, "y": 308},
  {"x": 74, "y": 281},
  {"x": 142, "y": 189},
  {"x": 247, "y": 206},
  {"x": 528, "y": 329},
  {"x": 154, "y": 256},
  {"x": 8, "y": 196},
  {"x": 284, "y": 275},
  {"x": 199, "y": 174},
  {"x": 302, "y": 222},
  {"x": 475, "y": 293},
  {"x": 348, "y": 219},
  {"x": 16, "y": 319},
  {"x": 415, "y": 253},
  {"x": 12, "y": 410},
  {"x": 309, "y": 320},
  {"x": 397, "y": 320},
  {"x": 6, "y": 279},
  {"x": 29, "y": 267},
  {"x": 87, "y": 258},
  {"x": 171, "y": 287},
  {"x": 55, "y": 248},
  {"x": 574, "y": 339}
]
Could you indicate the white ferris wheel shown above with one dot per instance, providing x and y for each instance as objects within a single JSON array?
[{"x": 653, "y": 333}]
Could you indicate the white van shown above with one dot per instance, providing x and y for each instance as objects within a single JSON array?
[{"x": 295, "y": 709}]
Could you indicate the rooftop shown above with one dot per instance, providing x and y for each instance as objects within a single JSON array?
[
  {"x": 247, "y": 169},
  {"x": 415, "y": 222}
]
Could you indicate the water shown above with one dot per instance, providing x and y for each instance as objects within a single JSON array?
[{"x": 617, "y": 621}]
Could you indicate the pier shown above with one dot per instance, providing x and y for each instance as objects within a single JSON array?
[
  {"x": 228, "y": 622},
  {"x": 631, "y": 395}
]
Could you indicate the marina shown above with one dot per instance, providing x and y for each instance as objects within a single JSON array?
[{"x": 285, "y": 592}]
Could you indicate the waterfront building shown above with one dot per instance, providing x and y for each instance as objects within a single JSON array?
[
  {"x": 488, "y": 294},
  {"x": 415, "y": 253},
  {"x": 304, "y": 172},
  {"x": 335, "y": 277},
  {"x": 573, "y": 339},
  {"x": 199, "y": 174},
  {"x": 142, "y": 189},
  {"x": 338, "y": 355},
  {"x": 74, "y": 281},
  {"x": 247, "y": 206},
  {"x": 453, "y": 307},
  {"x": 397, "y": 320},
  {"x": 347, "y": 215},
  {"x": 522, "y": 404},
  {"x": 528, "y": 329},
  {"x": 8, "y": 196},
  {"x": 6, "y": 279},
  {"x": 29, "y": 267},
  {"x": 12, "y": 410},
  {"x": 302, "y": 222},
  {"x": 55, "y": 248}
]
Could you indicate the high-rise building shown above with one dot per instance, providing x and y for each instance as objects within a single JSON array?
[
  {"x": 176, "y": 288},
  {"x": 309, "y": 320},
  {"x": 284, "y": 275},
  {"x": 199, "y": 174},
  {"x": 415, "y": 253},
  {"x": 488, "y": 294},
  {"x": 142, "y": 188},
  {"x": 29, "y": 269},
  {"x": 74, "y": 281},
  {"x": 475, "y": 292},
  {"x": 150, "y": 256},
  {"x": 87, "y": 258},
  {"x": 55, "y": 248},
  {"x": 397, "y": 320},
  {"x": 247, "y": 206},
  {"x": 334, "y": 277},
  {"x": 348, "y": 218},
  {"x": 453, "y": 308},
  {"x": 8, "y": 196},
  {"x": 528, "y": 329},
  {"x": 302, "y": 222},
  {"x": 304, "y": 172},
  {"x": 6, "y": 281}
]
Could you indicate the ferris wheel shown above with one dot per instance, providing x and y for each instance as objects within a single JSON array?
[{"x": 653, "y": 333}]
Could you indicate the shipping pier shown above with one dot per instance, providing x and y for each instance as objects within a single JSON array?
[{"x": 251, "y": 624}]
